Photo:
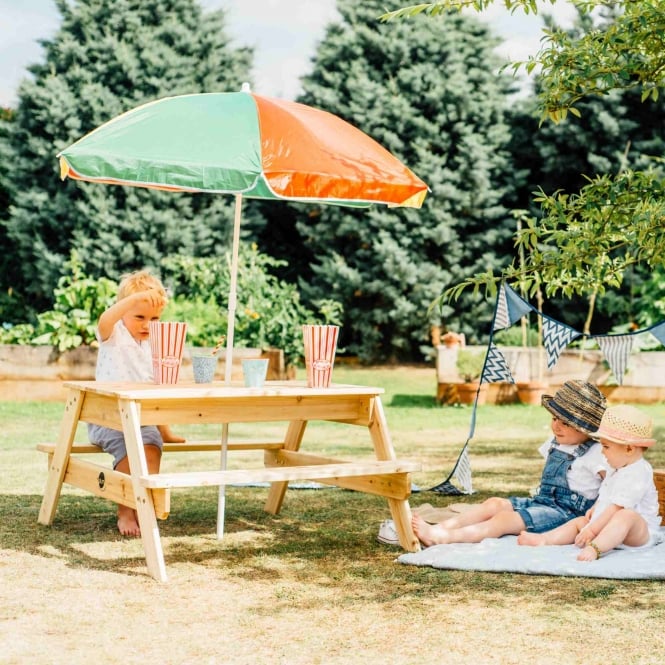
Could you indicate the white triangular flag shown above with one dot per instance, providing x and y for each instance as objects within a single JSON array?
[
  {"x": 462, "y": 472},
  {"x": 616, "y": 349}
]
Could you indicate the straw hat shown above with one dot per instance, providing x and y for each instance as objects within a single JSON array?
[
  {"x": 627, "y": 425},
  {"x": 578, "y": 404}
]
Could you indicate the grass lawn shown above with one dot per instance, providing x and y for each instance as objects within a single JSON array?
[{"x": 310, "y": 585}]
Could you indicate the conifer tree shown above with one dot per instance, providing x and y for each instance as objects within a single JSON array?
[
  {"x": 108, "y": 56},
  {"x": 429, "y": 92},
  {"x": 614, "y": 132}
]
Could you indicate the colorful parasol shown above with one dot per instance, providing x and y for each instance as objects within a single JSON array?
[{"x": 243, "y": 143}]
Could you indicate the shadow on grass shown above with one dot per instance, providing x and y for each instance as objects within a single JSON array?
[
  {"x": 312, "y": 529},
  {"x": 328, "y": 538}
]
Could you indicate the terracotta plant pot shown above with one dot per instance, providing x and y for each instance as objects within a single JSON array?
[
  {"x": 531, "y": 392},
  {"x": 466, "y": 392}
]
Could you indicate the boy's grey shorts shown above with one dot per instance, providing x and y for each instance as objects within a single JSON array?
[{"x": 112, "y": 441}]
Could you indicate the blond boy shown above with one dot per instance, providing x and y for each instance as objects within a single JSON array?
[{"x": 125, "y": 355}]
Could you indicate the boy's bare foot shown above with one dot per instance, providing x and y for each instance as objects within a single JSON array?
[
  {"x": 168, "y": 436},
  {"x": 174, "y": 438},
  {"x": 588, "y": 553},
  {"x": 534, "y": 539},
  {"x": 128, "y": 524},
  {"x": 429, "y": 534}
]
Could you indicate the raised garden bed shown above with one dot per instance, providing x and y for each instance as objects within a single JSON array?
[
  {"x": 643, "y": 382},
  {"x": 37, "y": 372}
]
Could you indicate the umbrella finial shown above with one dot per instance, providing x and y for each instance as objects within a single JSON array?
[{"x": 245, "y": 87}]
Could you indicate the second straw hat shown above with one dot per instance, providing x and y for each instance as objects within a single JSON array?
[
  {"x": 627, "y": 425},
  {"x": 578, "y": 404}
]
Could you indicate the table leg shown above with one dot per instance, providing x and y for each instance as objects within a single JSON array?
[
  {"x": 383, "y": 448},
  {"x": 60, "y": 459},
  {"x": 130, "y": 414},
  {"x": 292, "y": 441}
]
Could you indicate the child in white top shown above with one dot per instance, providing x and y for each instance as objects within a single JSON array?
[
  {"x": 125, "y": 355},
  {"x": 626, "y": 512}
]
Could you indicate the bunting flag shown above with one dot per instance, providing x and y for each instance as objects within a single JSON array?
[
  {"x": 658, "y": 332},
  {"x": 556, "y": 337},
  {"x": 501, "y": 319},
  {"x": 496, "y": 368},
  {"x": 462, "y": 470},
  {"x": 462, "y": 474},
  {"x": 616, "y": 349},
  {"x": 447, "y": 488},
  {"x": 509, "y": 308}
]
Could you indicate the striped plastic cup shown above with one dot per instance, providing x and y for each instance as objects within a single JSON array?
[
  {"x": 167, "y": 342},
  {"x": 320, "y": 346}
]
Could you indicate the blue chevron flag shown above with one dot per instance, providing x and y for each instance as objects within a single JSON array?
[
  {"x": 496, "y": 367},
  {"x": 556, "y": 337}
]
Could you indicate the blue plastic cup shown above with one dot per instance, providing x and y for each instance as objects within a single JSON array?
[{"x": 254, "y": 372}]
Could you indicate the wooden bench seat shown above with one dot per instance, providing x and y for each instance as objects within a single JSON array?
[
  {"x": 284, "y": 466},
  {"x": 116, "y": 486},
  {"x": 188, "y": 446},
  {"x": 313, "y": 472}
]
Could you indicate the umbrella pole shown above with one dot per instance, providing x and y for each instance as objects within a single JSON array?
[{"x": 221, "y": 501}]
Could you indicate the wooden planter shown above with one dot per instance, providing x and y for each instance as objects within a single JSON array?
[
  {"x": 37, "y": 372},
  {"x": 643, "y": 383}
]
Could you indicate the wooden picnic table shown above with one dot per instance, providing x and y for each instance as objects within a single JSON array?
[{"x": 127, "y": 406}]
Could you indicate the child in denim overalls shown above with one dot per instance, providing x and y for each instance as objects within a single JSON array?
[
  {"x": 626, "y": 512},
  {"x": 574, "y": 469}
]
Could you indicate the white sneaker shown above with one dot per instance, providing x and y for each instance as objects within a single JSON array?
[{"x": 387, "y": 533}]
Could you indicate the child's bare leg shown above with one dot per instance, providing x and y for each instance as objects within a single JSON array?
[
  {"x": 153, "y": 458},
  {"x": 502, "y": 523},
  {"x": 168, "y": 436},
  {"x": 477, "y": 514},
  {"x": 128, "y": 523},
  {"x": 562, "y": 535},
  {"x": 625, "y": 527}
]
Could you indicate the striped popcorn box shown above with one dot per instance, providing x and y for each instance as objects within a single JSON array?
[
  {"x": 167, "y": 342},
  {"x": 320, "y": 346}
]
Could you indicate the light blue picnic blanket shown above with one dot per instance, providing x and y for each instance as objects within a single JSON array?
[{"x": 506, "y": 556}]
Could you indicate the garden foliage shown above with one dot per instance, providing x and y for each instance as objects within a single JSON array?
[
  {"x": 585, "y": 241},
  {"x": 79, "y": 301},
  {"x": 269, "y": 312}
]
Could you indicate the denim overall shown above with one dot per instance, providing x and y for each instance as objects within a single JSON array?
[
  {"x": 554, "y": 503},
  {"x": 554, "y": 488}
]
